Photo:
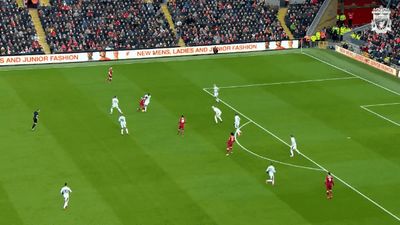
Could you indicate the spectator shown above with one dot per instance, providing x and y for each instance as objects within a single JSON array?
[
  {"x": 17, "y": 33},
  {"x": 300, "y": 16},
  {"x": 207, "y": 22},
  {"x": 97, "y": 25}
]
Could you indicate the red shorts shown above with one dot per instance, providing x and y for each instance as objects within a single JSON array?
[
  {"x": 229, "y": 145},
  {"x": 181, "y": 127},
  {"x": 328, "y": 187}
]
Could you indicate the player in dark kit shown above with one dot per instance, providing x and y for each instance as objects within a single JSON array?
[
  {"x": 329, "y": 185},
  {"x": 35, "y": 118},
  {"x": 110, "y": 74},
  {"x": 181, "y": 128},
  {"x": 229, "y": 144}
]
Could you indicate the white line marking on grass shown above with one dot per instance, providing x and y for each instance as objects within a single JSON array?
[
  {"x": 379, "y": 115},
  {"x": 362, "y": 78},
  {"x": 384, "y": 104},
  {"x": 308, "y": 158},
  {"x": 269, "y": 159},
  {"x": 286, "y": 82}
]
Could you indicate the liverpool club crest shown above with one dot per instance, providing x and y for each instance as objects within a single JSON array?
[{"x": 381, "y": 22}]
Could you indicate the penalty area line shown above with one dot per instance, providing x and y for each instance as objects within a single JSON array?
[
  {"x": 308, "y": 158},
  {"x": 379, "y": 115},
  {"x": 285, "y": 82}
]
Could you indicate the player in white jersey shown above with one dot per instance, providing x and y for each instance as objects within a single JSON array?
[
  {"x": 122, "y": 122},
  {"x": 237, "y": 124},
  {"x": 147, "y": 101},
  {"x": 114, "y": 103},
  {"x": 271, "y": 173},
  {"x": 293, "y": 146},
  {"x": 65, "y": 193},
  {"x": 218, "y": 114},
  {"x": 216, "y": 89}
]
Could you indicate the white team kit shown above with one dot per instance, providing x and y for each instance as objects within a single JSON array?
[
  {"x": 216, "y": 89},
  {"x": 237, "y": 124},
  {"x": 293, "y": 145},
  {"x": 122, "y": 122},
  {"x": 271, "y": 173},
  {"x": 218, "y": 114},
  {"x": 65, "y": 191},
  {"x": 146, "y": 101},
  {"x": 114, "y": 104}
]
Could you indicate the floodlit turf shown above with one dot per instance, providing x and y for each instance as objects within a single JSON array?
[{"x": 155, "y": 177}]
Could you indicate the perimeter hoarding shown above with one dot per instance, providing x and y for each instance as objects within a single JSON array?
[{"x": 145, "y": 53}]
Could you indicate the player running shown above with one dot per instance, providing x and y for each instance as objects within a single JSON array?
[
  {"x": 237, "y": 124},
  {"x": 141, "y": 104},
  {"x": 218, "y": 113},
  {"x": 65, "y": 193},
  {"x": 115, "y": 103},
  {"x": 271, "y": 173},
  {"x": 122, "y": 122},
  {"x": 181, "y": 127},
  {"x": 35, "y": 118},
  {"x": 110, "y": 74},
  {"x": 229, "y": 144},
  {"x": 146, "y": 101},
  {"x": 329, "y": 185},
  {"x": 216, "y": 89},
  {"x": 293, "y": 146}
]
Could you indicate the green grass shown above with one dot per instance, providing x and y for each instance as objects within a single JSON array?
[{"x": 155, "y": 177}]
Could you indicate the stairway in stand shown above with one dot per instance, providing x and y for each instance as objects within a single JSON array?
[
  {"x": 45, "y": 2},
  {"x": 167, "y": 14},
  {"x": 20, "y": 3},
  {"x": 281, "y": 17},
  {"x": 39, "y": 30}
]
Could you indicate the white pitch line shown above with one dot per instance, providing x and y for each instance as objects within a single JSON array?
[
  {"x": 285, "y": 82},
  {"x": 269, "y": 159},
  {"x": 308, "y": 158},
  {"x": 380, "y": 116},
  {"x": 384, "y": 104},
  {"x": 362, "y": 78}
]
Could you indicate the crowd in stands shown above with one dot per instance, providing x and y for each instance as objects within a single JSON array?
[
  {"x": 205, "y": 22},
  {"x": 385, "y": 47},
  {"x": 17, "y": 33},
  {"x": 300, "y": 16},
  {"x": 92, "y": 25}
]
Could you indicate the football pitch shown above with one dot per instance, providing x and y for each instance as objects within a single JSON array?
[{"x": 345, "y": 117}]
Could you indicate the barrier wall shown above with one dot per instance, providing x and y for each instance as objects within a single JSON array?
[
  {"x": 145, "y": 53},
  {"x": 368, "y": 61}
]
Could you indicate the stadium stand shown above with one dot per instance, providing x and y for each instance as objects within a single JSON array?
[
  {"x": 206, "y": 22},
  {"x": 385, "y": 47},
  {"x": 17, "y": 34},
  {"x": 300, "y": 16},
  {"x": 92, "y": 25}
]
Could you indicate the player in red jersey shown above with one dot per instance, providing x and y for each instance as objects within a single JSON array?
[
  {"x": 229, "y": 144},
  {"x": 141, "y": 104},
  {"x": 181, "y": 127},
  {"x": 110, "y": 74},
  {"x": 329, "y": 185}
]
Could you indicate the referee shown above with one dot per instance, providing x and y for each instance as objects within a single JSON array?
[{"x": 35, "y": 118}]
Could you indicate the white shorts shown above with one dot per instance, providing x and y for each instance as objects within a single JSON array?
[
  {"x": 216, "y": 94},
  {"x": 114, "y": 106},
  {"x": 66, "y": 197},
  {"x": 271, "y": 175},
  {"x": 293, "y": 147},
  {"x": 237, "y": 125},
  {"x": 123, "y": 125},
  {"x": 218, "y": 114}
]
